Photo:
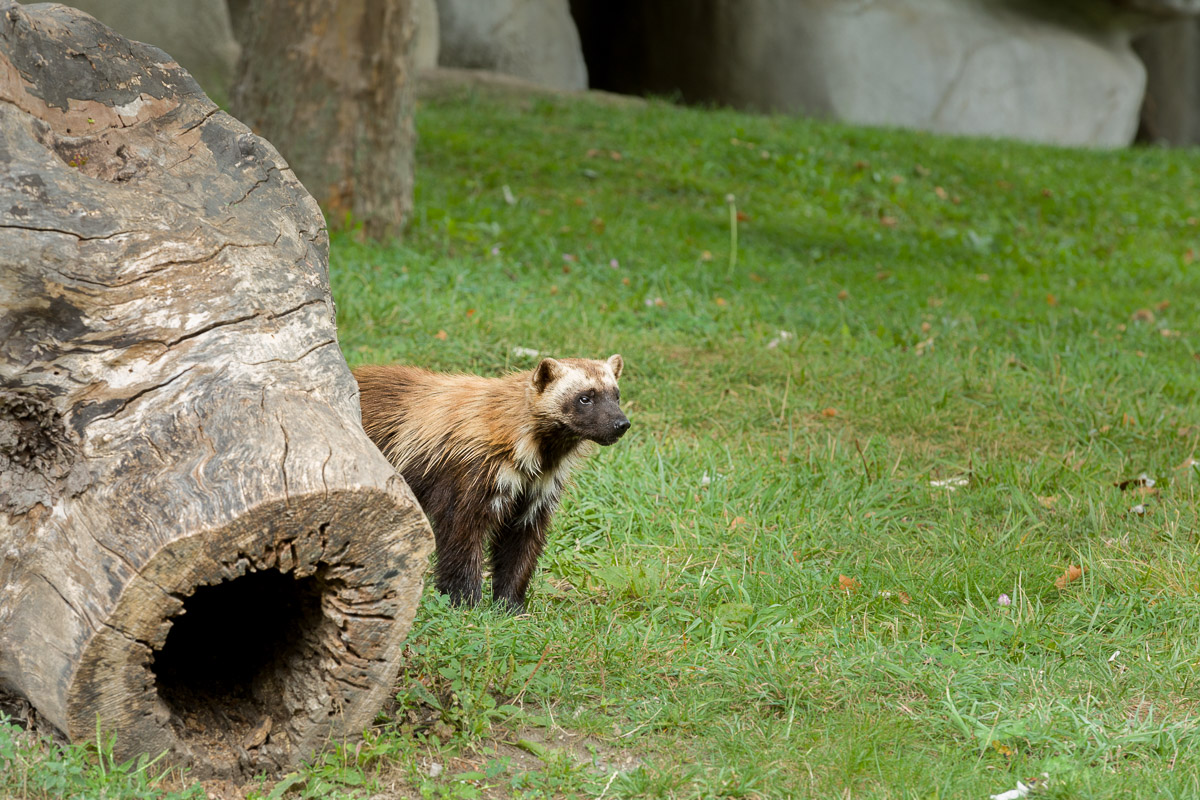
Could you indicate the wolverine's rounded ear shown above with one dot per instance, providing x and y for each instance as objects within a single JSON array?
[
  {"x": 617, "y": 363},
  {"x": 546, "y": 373}
]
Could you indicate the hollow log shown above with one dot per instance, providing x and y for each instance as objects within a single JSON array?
[{"x": 200, "y": 550}]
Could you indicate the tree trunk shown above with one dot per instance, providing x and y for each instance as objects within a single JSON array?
[
  {"x": 200, "y": 549},
  {"x": 330, "y": 82}
]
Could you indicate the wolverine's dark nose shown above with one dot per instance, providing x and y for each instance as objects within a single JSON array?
[{"x": 615, "y": 432}]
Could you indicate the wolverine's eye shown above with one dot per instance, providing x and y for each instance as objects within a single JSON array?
[{"x": 585, "y": 400}]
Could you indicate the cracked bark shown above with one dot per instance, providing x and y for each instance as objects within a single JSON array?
[{"x": 164, "y": 314}]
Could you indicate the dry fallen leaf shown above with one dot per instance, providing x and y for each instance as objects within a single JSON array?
[
  {"x": 735, "y": 522},
  {"x": 847, "y": 584},
  {"x": 829, "y": 412},
  {"x": 1002, "y": 748},
  {"x": 440, "y": 335},
  {"x": 1048, "y": 502},
  {"x": 1142, "y": 315},
  {"x": 1072, "y": 574}
]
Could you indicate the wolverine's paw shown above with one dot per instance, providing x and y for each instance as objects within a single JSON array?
[
  {"x": 510, "y": 606},
  {"x": 459, "y": 596}
]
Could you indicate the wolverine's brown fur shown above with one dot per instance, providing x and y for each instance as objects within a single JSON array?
[{"x": 487, "y": 458}]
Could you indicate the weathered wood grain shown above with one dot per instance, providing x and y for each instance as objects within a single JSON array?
[{"x": 175, "y": 414}]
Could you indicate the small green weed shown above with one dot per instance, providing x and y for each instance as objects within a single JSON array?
[{"x": 35, "y": 768}]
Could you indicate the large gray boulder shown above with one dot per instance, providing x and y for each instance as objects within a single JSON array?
[
  {"x": 1063, "y": 73},
  {"x": 531, "y": 39},
  {"x": 955, "y": 67}
]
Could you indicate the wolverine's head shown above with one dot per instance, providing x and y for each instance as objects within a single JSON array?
[{"x": 582, "y": 395}]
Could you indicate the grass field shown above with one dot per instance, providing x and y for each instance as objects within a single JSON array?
[{"x": 762, "y": 590}]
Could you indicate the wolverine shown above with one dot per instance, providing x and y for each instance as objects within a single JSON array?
[{"x": 487, "y": 458}]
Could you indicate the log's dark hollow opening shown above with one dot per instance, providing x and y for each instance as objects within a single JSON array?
[{"x": 235, "y": 648}]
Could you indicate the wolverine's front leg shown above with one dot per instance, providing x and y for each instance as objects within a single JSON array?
[
  {"x": 516, "y": 547},
  {"x": 458, "y": 570},
  {"x": 460, "y": 528}
]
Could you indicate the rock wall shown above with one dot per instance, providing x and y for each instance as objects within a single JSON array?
[{"x": 1062, "y": 73}]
